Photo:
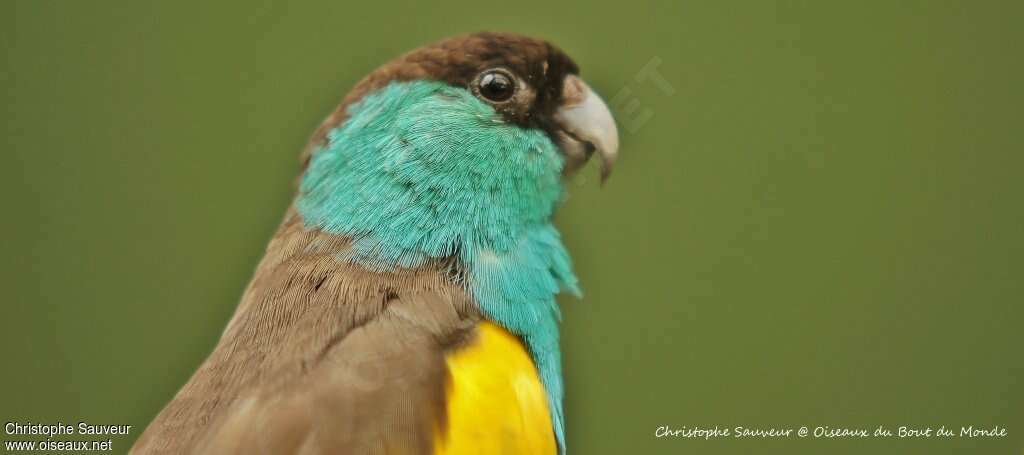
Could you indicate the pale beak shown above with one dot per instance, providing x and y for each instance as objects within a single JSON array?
[{"x": 586, "y": 126}]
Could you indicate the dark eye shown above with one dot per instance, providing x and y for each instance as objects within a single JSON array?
[{"x": 496, "y": 85}]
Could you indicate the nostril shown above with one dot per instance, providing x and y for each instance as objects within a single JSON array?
[{"x": 574, "y": 91}]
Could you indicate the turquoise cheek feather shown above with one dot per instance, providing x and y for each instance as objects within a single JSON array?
[{"x": 423, "y": 170}]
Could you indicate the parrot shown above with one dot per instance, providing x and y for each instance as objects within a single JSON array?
[{"x": 406, "y": 303}]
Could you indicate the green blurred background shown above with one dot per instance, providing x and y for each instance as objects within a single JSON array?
[{"x": 820, "y": 225}]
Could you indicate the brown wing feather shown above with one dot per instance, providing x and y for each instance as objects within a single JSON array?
[{"x": 322, "y": 356}]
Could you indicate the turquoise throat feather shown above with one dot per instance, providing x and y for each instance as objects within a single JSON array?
[{"x": 423, "y": 170}]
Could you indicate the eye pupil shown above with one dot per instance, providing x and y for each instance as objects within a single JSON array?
[{"x": 496, "y": 86}]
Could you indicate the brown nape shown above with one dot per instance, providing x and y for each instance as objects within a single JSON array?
[{"x": 458, "y": 61}]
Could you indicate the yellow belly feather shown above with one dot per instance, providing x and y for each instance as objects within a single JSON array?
[{"x": 496, "y": 402}]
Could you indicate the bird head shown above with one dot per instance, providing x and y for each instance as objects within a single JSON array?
[
  {"x": 469, "y": 136},
  {"x": 527, "y": 82}
]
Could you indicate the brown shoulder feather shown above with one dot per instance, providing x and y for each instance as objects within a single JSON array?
[{"x": 322, "y": 356}]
